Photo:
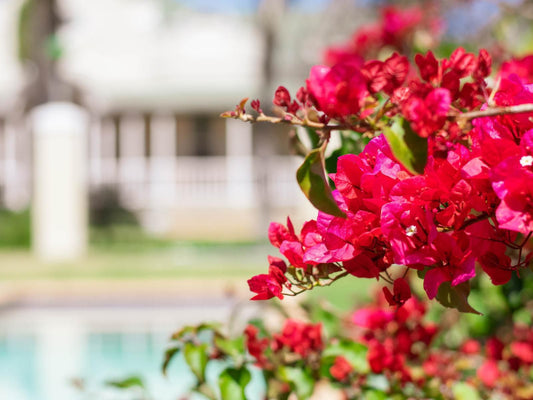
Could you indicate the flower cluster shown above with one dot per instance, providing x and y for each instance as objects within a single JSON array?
[
  {"x": 395, "y": 339},
  {"x": 466, "y": 207},
  {"x": 351, "y": 90},
  {"x": 376, "y": 351},
  {"x": 297, "y": 341},
  {"x": 400, "y": 342},
  {"x": 470, "y": 202},
  {"x": 396, "y": 29},
  {"x": 401, "y": 345},
  {"x": 501, "y": 367}
]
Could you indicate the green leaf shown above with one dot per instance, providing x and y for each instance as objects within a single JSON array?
[
  {"x": 194, "y": 330},
  {"x": 132, "y": 381},
  {"x": 409, "y": 149},
  {"x": 313, "y": 137},
  {"x": 300, "y": 381},
  {"x": 232, "y": 382},
  {"x": 375, "y": 395},
  {"x": 186, "y": 330},
  {"x": 169, "y": 355},
  {"x": 196, "y": 357},
  {"x": 355, "y": 354},
  {"x": 312, "y": 180},
  {"x": 232, "y": 347},
  {"x": 456, "y": 297},
  {"x": 464, "y": 391},
  {"x": 522, "y": 316},
  {"x": 351, "y": 143}
]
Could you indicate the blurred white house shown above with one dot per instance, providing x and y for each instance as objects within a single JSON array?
[{"x": 154, "y": 83}]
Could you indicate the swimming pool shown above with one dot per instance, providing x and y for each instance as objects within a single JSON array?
[{"x": 43, "y": 348}]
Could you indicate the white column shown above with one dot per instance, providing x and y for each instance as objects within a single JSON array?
[
  {"x": 239, "y": 163},
  {"x": 59, "y": 214}
]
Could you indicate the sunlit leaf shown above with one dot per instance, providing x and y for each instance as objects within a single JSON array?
[
  {"x": 132, "y": 381},
  {"x": 196, "y": 357},
  {"x": 409, "y": 149},
  {"x": 300, "y": 381},
  {"x": 231, "y": 347},
  {"x": 464, "y": 391},
  {"x": 232, "y": 382},
  {"x": 375, "y": 395},
  {"x": 455, "y": 297},
  {"x": 313, "y": 137},
  {"x": 169, "y": 356},
  {"x": 312, "y": 180}
]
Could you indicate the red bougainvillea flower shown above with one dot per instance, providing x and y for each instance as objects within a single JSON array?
[
  {"x": 290, "y": 244},
  {"x": 428, "y": 66},
  {"x": 384, "y": 356},
  {"x": 494, "y": 348},
  {"x": 428, "y": 114},
  {"x": 277, "y": 233},
  {"x": 512, "y": 180},
  {"x": 372, "y": 318},
  {"x": 513, "y": 92},
  {"x": 343, "y": 54},
  {"x": 299, "y": 337},
  {"x": 269, "y": 285},
  {"x": 282, "y": 98},
  {"x": 411, "y": 232},
  {"x": 489, "y": 373},
  {"x": 341, "y": 368},
  {"x": 455, "y": 265},
  {"x": 338, "y": 91},
  {"x": 256, "y": 347},
  {"x": 398, "y": 23},
  {"x": 521, "y": 67},
  {"x": 523, "y": 350},
  {"x": 395, "y": 29},
  {"x": 387, "y": 75},
  {"x": 488, "y": 243},
  {"x": 471, "y": 346},
  {"x": 401, "y": 293}
]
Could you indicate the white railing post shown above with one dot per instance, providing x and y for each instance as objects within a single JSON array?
[{"x": 59, "y": 212}]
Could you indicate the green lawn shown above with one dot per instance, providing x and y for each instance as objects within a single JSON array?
[
  {"x": 157, "y": 260},
  {"x": 346, "y": 292},
  {"x": 140, "y": 262}
]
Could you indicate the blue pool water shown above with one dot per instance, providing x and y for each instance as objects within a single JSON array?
[{"x": 42, "y": 352}]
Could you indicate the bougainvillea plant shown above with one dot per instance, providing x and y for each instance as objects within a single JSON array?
[
  {"x": 443, "y": 186},
  {"x": 376, "y": 352},
  {"x": 430, "y": 187}
]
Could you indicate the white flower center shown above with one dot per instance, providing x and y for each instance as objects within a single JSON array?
[
  {"x": 411, "y": 230},
  {"x": 526, "y": 161}
]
